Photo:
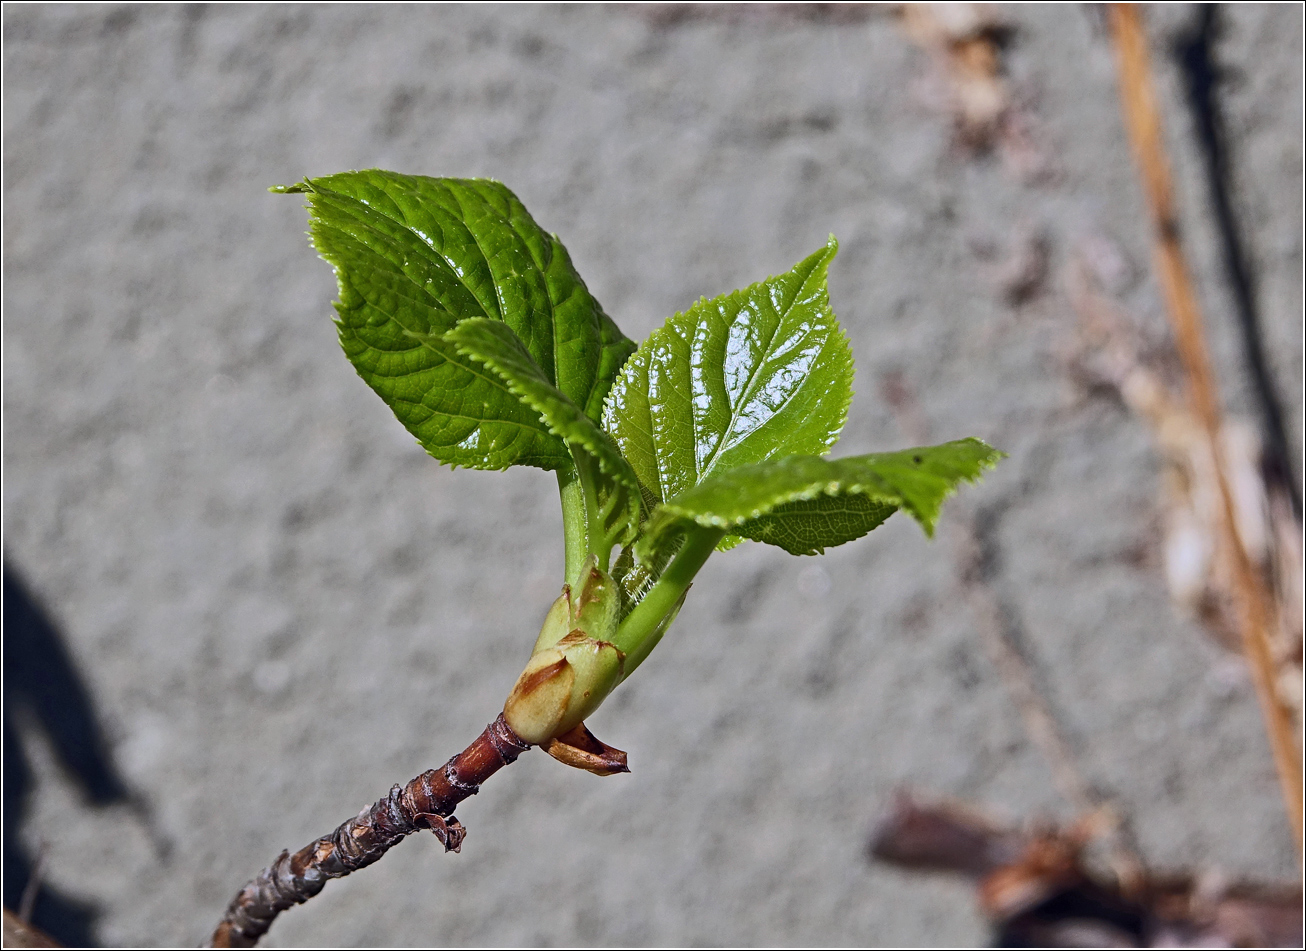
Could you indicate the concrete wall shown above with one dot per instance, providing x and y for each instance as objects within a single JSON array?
[{"x": 280, "y": 605}]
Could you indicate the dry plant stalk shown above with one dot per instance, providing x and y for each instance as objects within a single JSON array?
[
  {"x": 1255, "y": 607},
  {"x": 1198, "y": 566}
]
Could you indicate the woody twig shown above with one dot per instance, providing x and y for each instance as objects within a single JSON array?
[{"x": 426, "y": 802}]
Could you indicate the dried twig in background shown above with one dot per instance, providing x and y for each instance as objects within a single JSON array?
[
  {"x": 1255, "y": 606},
  {"x": 1037, "y": 890},
  {"x": 1198, "y": 566}
]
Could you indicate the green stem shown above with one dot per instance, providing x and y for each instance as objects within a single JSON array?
[
  {"x": 586, "y": 467},
  {"x": 574, "y": 522},
  {"x": 636, "y": 657},
  {"x": 664, "y": 597},
  {"x": 599, "y": 541}
]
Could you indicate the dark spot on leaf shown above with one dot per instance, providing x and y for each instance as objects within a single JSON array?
[{"x": 916, "y": 459}]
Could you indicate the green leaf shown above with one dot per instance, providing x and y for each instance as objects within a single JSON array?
[
  {"x": 805, "y": 504},
  {"x": 809, "y": 527},
  {"x": 415, "y": 255},
  {"x": 492, "y": 343},
  {"x": 757, "y": 374}
]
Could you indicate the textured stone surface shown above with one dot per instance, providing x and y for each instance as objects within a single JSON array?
[{"x": 282, "y": 605}]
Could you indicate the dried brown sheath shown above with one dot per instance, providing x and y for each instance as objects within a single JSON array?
[{"x": 427, "y": 802}]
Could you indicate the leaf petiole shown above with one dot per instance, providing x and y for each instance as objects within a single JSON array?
[
  {"x": 573, "y": 522},
  {"x": 596, "y": 540},
  {"x": 639, "y": 632},
  {"x": 587, "y": 517}
]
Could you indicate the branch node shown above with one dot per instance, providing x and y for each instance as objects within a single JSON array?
[
  {"x": 457, "y": 782},
  {"x": 448, "y": 830},
  {"x": 505, "y": 741}
]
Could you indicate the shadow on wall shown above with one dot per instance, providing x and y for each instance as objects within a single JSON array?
[
  {"x": 44, "y": 692},
  {"x": 1195, "y": 52}
]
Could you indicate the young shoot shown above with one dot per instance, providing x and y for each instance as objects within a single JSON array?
[{"x": 471, "y": 323}]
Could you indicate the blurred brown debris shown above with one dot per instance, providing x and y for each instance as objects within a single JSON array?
[
  {"x": 19, "y": 934},
  {"x": 1018, "y": 267},
  {"x": 1112, "y": 355},
  {"x": 1038, "y": 885},
  {"x": 966, "y": 43}
]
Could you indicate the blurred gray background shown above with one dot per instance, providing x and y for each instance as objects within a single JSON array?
[{"x": 278, "y": 605}]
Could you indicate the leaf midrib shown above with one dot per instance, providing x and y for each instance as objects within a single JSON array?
[
  {"x": 500, "y": 305},
  {"x": 425, "y": 242},
  {"x": 474, "y": 367},
  {"x": 430, "y": 303},
  {"x": 748, "y": 391},
  {"x": 834, "y": 489}
]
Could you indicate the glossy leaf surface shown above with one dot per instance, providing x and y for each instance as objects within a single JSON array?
[
  {"x": 492, "y": 343},
  {"x": 413, "y": 256},
  {"x": 756, "y": 374},
  {"x": 805, "y": 504}
]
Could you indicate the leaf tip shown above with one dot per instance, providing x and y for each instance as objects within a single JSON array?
[
  {"x": 989, "y": 460},
  {"x": 298, "y": 188}
]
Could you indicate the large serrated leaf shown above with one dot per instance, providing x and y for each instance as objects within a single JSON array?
[
  {"x": 415, "y": 255},
  {"x": 759, "y": 373},
  {"x": 492, "y": 343},
  {"x": 805, "y": 504}
]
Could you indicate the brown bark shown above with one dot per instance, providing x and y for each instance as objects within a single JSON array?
[{"x": 427, "y": 802}]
